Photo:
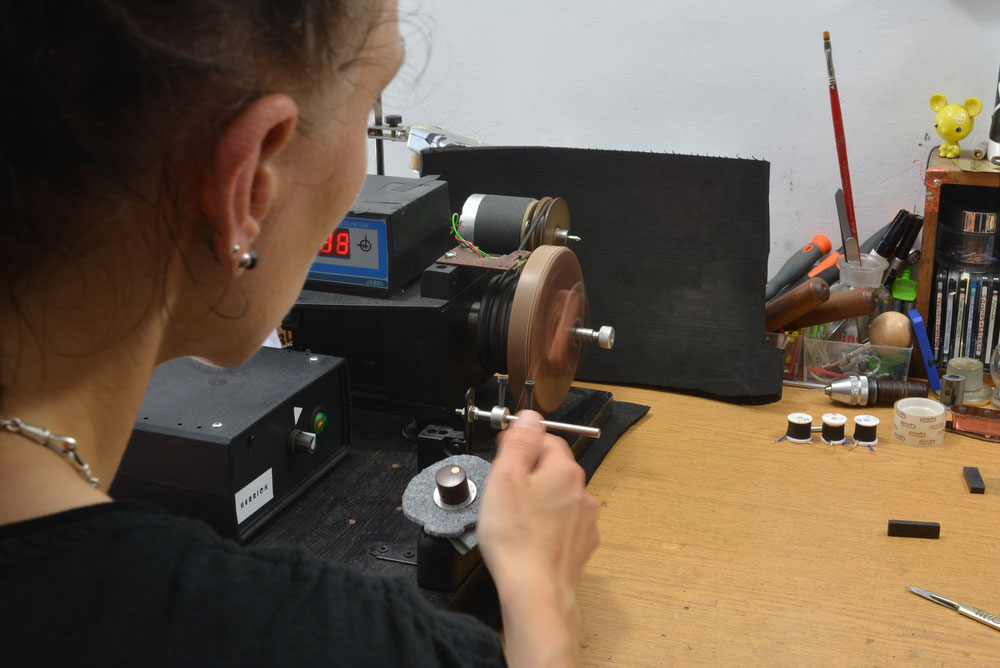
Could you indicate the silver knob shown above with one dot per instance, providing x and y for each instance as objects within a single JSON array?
[
  {"x": 301, "y": 442},
  {"x": 603, "y": 337}
]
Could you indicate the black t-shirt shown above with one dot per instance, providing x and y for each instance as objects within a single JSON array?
[{"x": 123, "y": 584}]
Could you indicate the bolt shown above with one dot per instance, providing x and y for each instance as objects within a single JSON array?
[
  {"x": 383, "y": 548},
  {"x": 937, "y": 182},
  {"x": 502, "y": 387},
  {"x": 451, "y": 255},
  {"x": 529, "y": 395},
  {"x": 409, "y": 554},
  {"x": 216, "y": 425}
]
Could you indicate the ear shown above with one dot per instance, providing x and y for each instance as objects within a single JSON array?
[
  {"x": 973, "y": 105},
  {"x": 938, "y": 101},
  {"x": 240, "y": 188}
]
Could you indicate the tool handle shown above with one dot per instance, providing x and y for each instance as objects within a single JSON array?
[
  {"x": 830, "y": 274},
  {"x": 980, "y": 616},
  {"x": 797, "y": 265},
  {"x": 890, "y": 240},
  {"x": 827, "y": 262},
  {"x": 839, "y": 306},
  {"x": 845, "y": 172},
  {"x": 789, "y": 306}
]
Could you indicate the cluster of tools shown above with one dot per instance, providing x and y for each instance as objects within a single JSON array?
[{"x": 871, "y": 271}]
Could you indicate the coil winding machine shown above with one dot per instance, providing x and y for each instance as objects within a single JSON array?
[{"x": 423, "y": 323}]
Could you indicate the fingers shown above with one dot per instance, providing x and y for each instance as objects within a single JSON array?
[
  {"x": 522, "y": 443},
  {"x": 553, "y": 446}
]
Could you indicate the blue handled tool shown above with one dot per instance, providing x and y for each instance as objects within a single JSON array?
[{"x": 920, "y": 333}]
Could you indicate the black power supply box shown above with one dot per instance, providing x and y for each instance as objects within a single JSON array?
[{"x": 233, "y": 446}]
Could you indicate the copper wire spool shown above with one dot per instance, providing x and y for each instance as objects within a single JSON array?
[
  {"x": 555, "y": 217},
  {"x": 548, "y": 303}
]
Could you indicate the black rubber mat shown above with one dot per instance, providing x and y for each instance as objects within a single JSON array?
[{"x": 674, "y": 256}]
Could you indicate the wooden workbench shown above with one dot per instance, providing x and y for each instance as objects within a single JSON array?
[{"x": 720, "y": 547}]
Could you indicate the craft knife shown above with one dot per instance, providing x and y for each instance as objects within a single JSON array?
[{"x": 967, "y": 610}]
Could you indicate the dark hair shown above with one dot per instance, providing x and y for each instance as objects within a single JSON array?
[{"x": 95, "y": 91}]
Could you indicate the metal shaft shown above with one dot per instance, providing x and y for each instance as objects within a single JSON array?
[
  {"x": 379, "y": 150},
  {"x": 593, "y": 432},
  {"x": 500, "y": 418}
]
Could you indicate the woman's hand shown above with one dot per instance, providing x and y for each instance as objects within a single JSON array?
[{"x": 537, "y": 527}]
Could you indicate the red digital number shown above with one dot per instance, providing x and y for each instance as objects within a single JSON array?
[
  {"x": 338, "y": 244},
  {"x": 343, "y": 248}
]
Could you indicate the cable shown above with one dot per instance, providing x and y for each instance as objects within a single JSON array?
[
  {"x": 460, "y": 239},
  {"x": 536, "y": 220}
]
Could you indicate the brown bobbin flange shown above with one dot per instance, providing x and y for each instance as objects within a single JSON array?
[{"x": 548, "y": 303}]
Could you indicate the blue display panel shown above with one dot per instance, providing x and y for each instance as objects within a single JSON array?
[{"x": 360, "y": 259}]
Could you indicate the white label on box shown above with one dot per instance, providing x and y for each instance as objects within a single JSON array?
[{"x": 252, "y": 498}]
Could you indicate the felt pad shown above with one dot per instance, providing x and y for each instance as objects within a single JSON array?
[
  {"x": 674, "y": 256},
  {"x": 418, "y": 499}
]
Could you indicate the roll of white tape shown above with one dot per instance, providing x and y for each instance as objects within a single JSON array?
[{"x": 918, "y": 421}]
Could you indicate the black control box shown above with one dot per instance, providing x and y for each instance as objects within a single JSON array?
[
  {"x": 396, "y": 227},
  {"x": 233, "y": 446}
]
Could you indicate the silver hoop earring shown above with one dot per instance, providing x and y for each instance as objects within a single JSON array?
[{"x": 248, "y": 260}]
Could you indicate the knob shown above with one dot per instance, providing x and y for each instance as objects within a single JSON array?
[
  {"x": 393, "y": 120},
  {"x": 301, "y": 442},
  {"x": 603, "y": 337},
  {"x": 452, "y": 485}
]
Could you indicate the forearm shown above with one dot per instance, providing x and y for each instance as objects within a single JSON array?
[{"x": 541, "y": 626}]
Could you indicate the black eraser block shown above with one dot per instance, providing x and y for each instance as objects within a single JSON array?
[
  {"x": 976, "y": 485},
  {"x": 910, "y": 529}
]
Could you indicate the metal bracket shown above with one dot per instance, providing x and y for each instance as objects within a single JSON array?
[{"x": 401, "y": 554}]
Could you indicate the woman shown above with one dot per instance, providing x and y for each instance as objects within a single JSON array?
[{"x": 167, "y": 172}]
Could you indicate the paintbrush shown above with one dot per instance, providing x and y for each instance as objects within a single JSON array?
[{"x": 838, "y": 133}]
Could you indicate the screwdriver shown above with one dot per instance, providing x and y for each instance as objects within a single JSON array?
[{"x": 797, "y": 265}]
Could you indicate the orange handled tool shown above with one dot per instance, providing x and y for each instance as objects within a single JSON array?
[{"x": 797, "y": 265}]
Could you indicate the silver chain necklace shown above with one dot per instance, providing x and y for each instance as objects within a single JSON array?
[{"x": 64, "y": 446}]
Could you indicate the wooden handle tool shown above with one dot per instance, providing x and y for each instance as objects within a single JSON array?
[
  {"x": 839, "y": 306},
  {"x": 795, "y": 303}
]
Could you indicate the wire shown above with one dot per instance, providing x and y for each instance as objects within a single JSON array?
[
  {"x": 921, "y": 167},
  {"x": 467, "y": 244},
  {"x": 535, "y": 222}
]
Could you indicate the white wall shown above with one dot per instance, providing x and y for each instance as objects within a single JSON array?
[{"x": 710, "y": 77}]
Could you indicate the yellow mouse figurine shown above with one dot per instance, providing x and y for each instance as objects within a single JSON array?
[{"x": 953, "y": 122}]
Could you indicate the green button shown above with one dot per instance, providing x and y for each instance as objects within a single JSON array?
[{"x": 319, "y": 423}]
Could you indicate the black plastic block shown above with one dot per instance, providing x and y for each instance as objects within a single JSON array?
[
  {"x": 910, "y": 529},
  {"x": 976, "y": 485}
]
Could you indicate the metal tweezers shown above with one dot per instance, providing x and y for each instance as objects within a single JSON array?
[{"x": 967, "y": 610}]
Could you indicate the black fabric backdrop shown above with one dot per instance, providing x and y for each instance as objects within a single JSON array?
[{"x": 674, "y": 256}]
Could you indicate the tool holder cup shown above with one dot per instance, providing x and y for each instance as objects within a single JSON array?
[{"x": 854, "y": 276}]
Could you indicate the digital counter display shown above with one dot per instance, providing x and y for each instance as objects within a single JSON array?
[{"x": 338, "y": 245}]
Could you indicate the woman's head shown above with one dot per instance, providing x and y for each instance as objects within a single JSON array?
[{"x": 142, "y": 141}]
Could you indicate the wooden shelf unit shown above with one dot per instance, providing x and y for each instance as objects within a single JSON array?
[{"x": 941, "y": 172}]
